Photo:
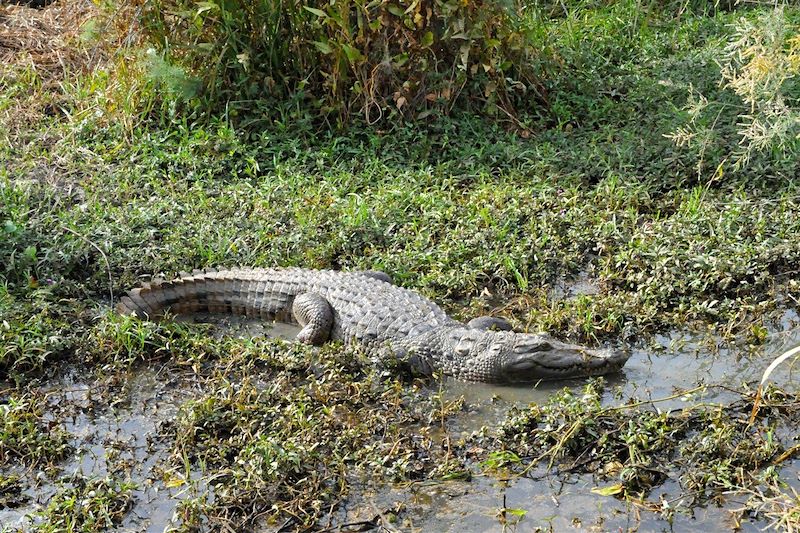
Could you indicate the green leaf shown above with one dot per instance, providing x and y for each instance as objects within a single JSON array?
[
  {"x": 515, "y": 512},
  {"x": 396, "y": 10},
  {"x": 400, "y": 59},
  {"x": 427, "y": 39},
  {"x": 353, "y": 54},
  {"x": 30, "y": 253},
  {"x": 323, "y": 47},
  {"x": 10, "y": 227},
  {"x": 318, "y": 12},
  {"x": 611, "y": 490},
  {"x": 206, "y": 6}
]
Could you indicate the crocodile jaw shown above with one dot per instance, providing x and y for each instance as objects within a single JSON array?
[
  {"x": 562, "y": 361},
  {"x": 508, "y": 357}
]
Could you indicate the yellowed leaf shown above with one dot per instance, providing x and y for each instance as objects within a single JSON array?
[
  {"x": 174, "y": 481},
  {"x": 610, "y": 490}
]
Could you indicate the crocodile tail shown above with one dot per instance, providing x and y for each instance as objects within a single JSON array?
[{"x": 226, "y": 291}]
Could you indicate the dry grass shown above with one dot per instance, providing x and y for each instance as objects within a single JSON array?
[
  {"x": 44, "y": 40},
  {"x": 39, "y": 50}
]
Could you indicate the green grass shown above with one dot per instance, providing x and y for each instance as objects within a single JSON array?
[
  {"x": 509, "y": 218},
  {"x": 95, "y": 198}
]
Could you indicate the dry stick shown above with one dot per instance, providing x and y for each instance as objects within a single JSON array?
[
  {"x": 646, "y": 402},
  {"x": 105, "y": 258},
  {"x": 369, "y": 524},
  {"x": 787, "y": 454}
]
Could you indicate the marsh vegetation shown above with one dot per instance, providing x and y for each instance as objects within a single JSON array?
[{"x": 613, "y": 172}]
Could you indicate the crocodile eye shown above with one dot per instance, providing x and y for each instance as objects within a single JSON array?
[
  {"x": 463, "y": 348},
  {"x": 528, "y": 347}
]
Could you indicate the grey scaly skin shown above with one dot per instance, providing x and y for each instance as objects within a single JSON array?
[{"x": 366, "y": 308}]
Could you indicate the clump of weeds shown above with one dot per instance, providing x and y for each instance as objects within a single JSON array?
[
  {"x": 11, "y": 494},
  {"x": 26, "y": 435},
  {"x": 780, "y": 506},
  {"x": 89, "y": 505},
  {"x": 709, "y": 450}
]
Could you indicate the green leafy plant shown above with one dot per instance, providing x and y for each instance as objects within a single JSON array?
[
  {"x": 89, "y": 505},
  {"x": 761, "y": 65},
  {"x": 25, "y": 435},
  {"x": 371, "y": 58}
]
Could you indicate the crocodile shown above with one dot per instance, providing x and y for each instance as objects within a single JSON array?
[{"x": 365, "y": 307}]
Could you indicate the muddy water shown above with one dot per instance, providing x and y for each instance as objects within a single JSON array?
[
  {"x": 673, "y": 362},
  {"x": 120, "y": 434},
  {"x": 122, "y": 440}
]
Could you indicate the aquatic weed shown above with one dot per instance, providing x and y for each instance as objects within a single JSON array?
[
  {"x": 88, "y": 505},
  {"x": 25, "y": 434},
  {"x": 711, "y": 450}
]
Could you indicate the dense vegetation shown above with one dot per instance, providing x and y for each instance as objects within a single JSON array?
[
  {"x": 340, "y": 58},
  {"x": 492, "y": 155}
]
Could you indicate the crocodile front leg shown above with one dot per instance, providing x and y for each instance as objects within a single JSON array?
[{"x": 315, "y": 314}]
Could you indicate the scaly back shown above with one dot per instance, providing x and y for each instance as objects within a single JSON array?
[{"x": 365, "y": 308}]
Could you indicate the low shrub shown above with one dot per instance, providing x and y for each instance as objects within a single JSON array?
[{"x": 339, "y": 58}]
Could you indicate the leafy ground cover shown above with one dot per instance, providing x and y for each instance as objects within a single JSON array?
[{"x": 481, "y": 216}]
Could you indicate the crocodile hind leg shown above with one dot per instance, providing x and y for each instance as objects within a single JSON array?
[
  {"x": 376, "y": 274},
  {"x": 315, "y": 314},
  {"x": 487, "y": 323}
]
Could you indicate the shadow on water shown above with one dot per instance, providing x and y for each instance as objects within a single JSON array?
[{"x": 125, "y": 431}]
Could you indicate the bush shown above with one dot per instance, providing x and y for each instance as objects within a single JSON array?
[
  {"x": 339, "y": 58},
  {"x": 761, "y": 66}
]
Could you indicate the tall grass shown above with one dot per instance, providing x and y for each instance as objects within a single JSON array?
[{"x": 760, "y": 65}]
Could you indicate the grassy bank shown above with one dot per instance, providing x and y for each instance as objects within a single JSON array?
[{"x": 581, "y": 216}]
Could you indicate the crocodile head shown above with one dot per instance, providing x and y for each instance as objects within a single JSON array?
[{"x": 509, "y": 357}]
